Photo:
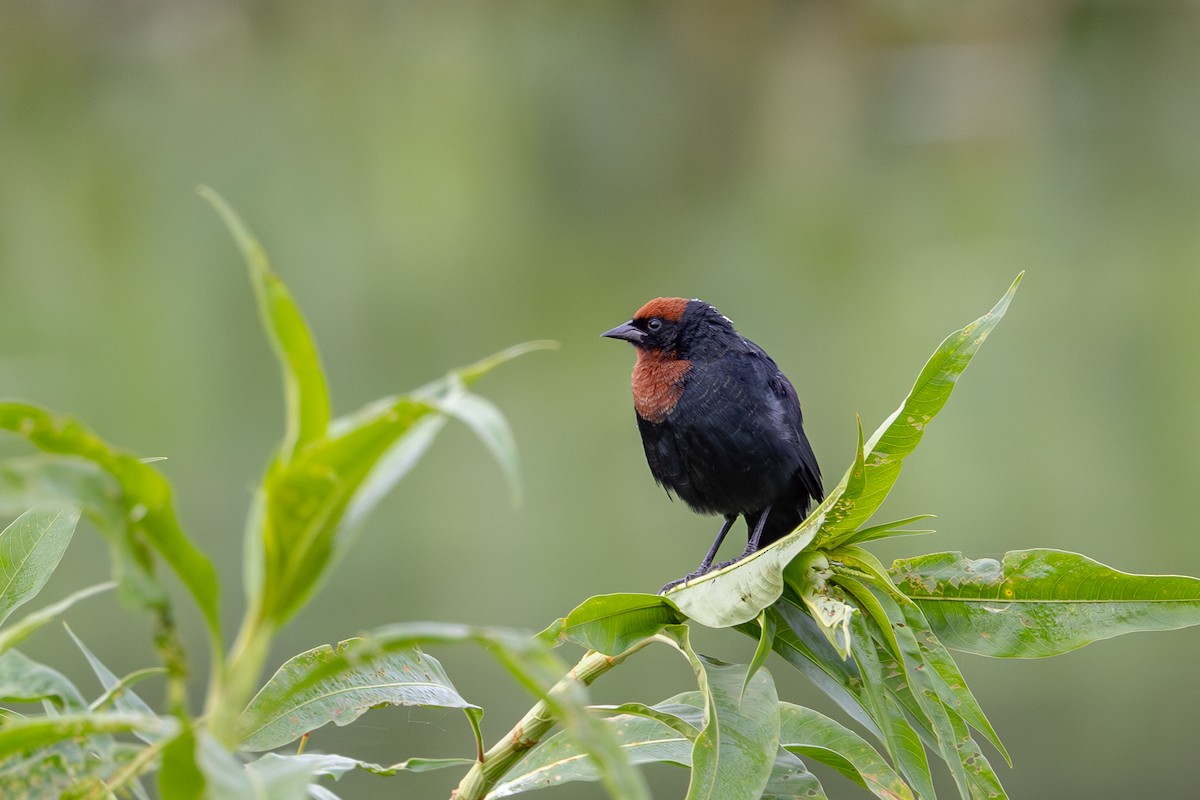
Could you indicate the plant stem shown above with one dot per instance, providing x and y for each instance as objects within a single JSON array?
[{"x": 533, "y": 726}]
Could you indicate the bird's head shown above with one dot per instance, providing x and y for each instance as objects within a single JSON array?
[{"x": 675, "y": 327}]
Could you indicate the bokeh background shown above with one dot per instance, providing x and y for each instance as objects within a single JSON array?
[{"x": 849, "y": 182}]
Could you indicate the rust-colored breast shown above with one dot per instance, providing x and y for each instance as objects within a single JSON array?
[{"x": 657, "y": 384}]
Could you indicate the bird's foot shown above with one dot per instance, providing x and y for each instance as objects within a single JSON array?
[{"x": 685, "y": 579}]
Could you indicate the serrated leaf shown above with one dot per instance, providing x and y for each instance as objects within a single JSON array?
[
  {"x": 281, "y": 712},
  {"x": 30, "y": 549},
  {"x": 1037, "y": 603}
]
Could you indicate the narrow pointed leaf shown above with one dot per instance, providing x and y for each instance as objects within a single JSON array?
[
  {"x": 902, "y": 431},
  {"x": 898, "y": 736},
  {"x": 887, "y": 530},
  {"x": 126, "y": 701},
  {"x": 30, "y": 549},
  {"x": 281, "y": 713},
  {"x": 13, "y": 634},
  {"x": 769, "y": 624},
  {"x": 1037, "y": 603},
  {"x": 306, "y": 393}
]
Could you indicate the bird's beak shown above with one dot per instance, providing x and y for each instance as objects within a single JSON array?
[{"x": 626, "y": 332}]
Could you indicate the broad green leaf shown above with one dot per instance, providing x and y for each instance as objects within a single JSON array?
[
  {"x": 307, "y": 395},
  {"x": 23, "y": 680},
  {"x": 30, "y": 549},
  {"x": 69, "y": 770},
  {"x": 816, "y": 736},
  {"x": 1037, "y": 603},
  {"x": 281, "y": 713},
  {"x": 902, "y": 431},
  {"x": 145, "y": 510},
  {"x": 611, "y": 623},
  {"x": 735, "y": 752},
  {"x": 11, "y": 635},
  {"x": 530, "y": 662}
]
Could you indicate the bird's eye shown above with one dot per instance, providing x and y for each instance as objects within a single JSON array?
[{"x": 654, "y": 324}]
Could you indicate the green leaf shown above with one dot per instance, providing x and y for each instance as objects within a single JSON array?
[
  {"x": 769, "y": 625},
  {"x": 887, "y": 530},
  {"x": 612, "y": 623},
  {"x": 30, "y": 549},
  {"x": 899, "y": 435},
  {"x": 179, "y": 777},
  {"x": 644, "y": 740},
  {"x": 736, "y": 593},
  {"x": 26, "y": 735},
  {"x": 23, "y": 680},
  {"x": 143, "y": 506},
  {"x": 812, "y": 734},
  {"x": 115, "y": 688},
  {"x": 530, "y": 662},
  {"x": 13, "y": 634},
  {"x": 1037, "y": 603},
  {"x": 897, "y": 734},
  {"x": 305, "y": 389},
  {"x": 281, "y": 713},
  {"x": 735, "y": 752},
  {"x": 488, "y": 423}
]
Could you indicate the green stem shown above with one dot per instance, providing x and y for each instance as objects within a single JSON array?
[
  {"x": 233, "y": 686},
  {"x": 526, "y": 734}
]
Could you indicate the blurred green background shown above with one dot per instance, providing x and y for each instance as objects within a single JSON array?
[{"x": 849, "y": 182}]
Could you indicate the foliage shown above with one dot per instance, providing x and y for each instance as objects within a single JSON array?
[{"x": 874, "y": 638}]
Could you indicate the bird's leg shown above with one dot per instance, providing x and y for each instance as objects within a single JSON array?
[
  {"x": 752, "y": 545},
  {"x": 706, "y": 564}
]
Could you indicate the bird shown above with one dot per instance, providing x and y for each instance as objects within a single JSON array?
[{"x": 721, "y": 425}]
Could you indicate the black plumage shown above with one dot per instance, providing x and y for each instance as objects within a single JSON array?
[{"x": 720, "y": 424}]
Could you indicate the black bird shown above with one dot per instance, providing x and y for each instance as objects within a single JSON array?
[{"x": 721, "y": 425}]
